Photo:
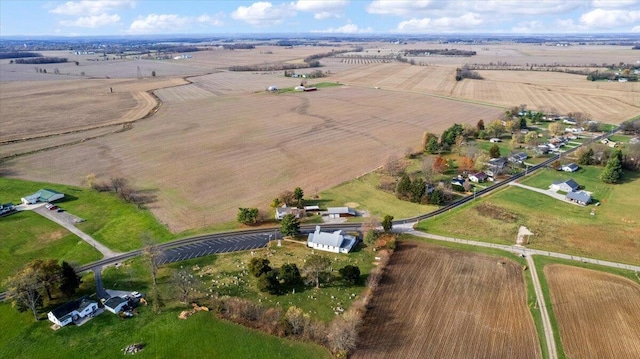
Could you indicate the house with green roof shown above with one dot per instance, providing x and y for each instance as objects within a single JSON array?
[{"x": 43, "y": 195}]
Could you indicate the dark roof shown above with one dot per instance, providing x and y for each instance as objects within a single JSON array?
[
  {"x": 572, "y": 166},
  {"x": 580, "y": 196},
  {"x": 114, "y": 302},
  {"x": 500, "y": 161},
  {"x": 69, "y": 307},
  {"x": 570, "y": 182},
  {"x": 481, "y": 175}
]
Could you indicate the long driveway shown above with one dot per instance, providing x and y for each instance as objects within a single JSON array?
[
  {"x": 547, "y": 192},
  {"x": 53, "y": 216}
]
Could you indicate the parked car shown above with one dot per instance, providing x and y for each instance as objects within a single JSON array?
[{"x": 53, "y": 207}]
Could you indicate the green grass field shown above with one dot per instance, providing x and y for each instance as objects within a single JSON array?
[
  {"x": 362, "y": 194},
  {"x": 108, "y": 219},
  {"x": 225, "y": 274},
  {"x": 165, "y": 336},
  {"x": 612, "y": 233},
  {"x": 27, "y": 236}
]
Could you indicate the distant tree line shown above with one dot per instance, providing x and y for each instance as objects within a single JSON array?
[
  {"x": 174, "y": 48},
  {"x": 239, "y": 46},
  {"x": 18, "y": 54},
  {"x": 41, "y": 60},
  {"x": 274, "y": 67},
  {"x": 441, "y": 52}
]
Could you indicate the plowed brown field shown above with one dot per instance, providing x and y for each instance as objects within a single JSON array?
[
  {"x": 598, "y": 313},
  {"x": 208, "y": 156},
  {"x": 436, "y": 302}
]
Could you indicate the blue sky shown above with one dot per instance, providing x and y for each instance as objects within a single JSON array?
[{"x": 133, "y": 17}]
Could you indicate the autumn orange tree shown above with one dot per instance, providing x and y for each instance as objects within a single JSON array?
[
  {"x": 465, "y": 164},
  {"x": 440, "y": 165}
]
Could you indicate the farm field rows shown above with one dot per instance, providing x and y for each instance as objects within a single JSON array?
[
  {"x": 31, "y": 109},
  {"x": 207, "y": 158},
  {"x": 597, "y": 313},
  {"x": 436, "y": 302},
  {"x": 608, "y": 102}
]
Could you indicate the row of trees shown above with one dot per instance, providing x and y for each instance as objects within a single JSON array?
[
  {"x": 419, "y": 191},
  {"x": 27, "y": 289},
  {"x": 123, "y": 189},
  {"x": 317, "y": 269}
]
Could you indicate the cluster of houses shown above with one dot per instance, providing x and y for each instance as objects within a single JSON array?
[
  {"x": 331, "y": 212},
  {"x": 83, "y": 309},
  {"x": 572, "y": 190}
]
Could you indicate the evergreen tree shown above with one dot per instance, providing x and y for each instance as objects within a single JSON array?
[
  {"x": 290, "y": 274},
  {"x": 69, "y": 280},
  {"x": 387, "y": 223},
  {"x": 350, "y": 274},
  {"x": 613, "y": 170},
  {"x": 259, "y": 266},
  {"x": 586, "y": 157},
  {"x": 268, "y": 282},
  {"x": 494, "y": 151}
]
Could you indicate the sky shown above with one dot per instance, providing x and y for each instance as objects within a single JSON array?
[{"x": 206, "y": 17}]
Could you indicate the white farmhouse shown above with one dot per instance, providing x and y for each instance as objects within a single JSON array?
[
  {"x": 72, "y": 311},
  {"x": 335, "y": 242}
]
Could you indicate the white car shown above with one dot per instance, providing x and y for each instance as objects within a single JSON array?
[{"x": 136, "y": 294}]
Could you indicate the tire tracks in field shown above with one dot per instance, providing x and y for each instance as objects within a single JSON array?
[{"x": 119, "y": 127}]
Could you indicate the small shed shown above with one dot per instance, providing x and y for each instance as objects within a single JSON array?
[{"x": 337, "y": 212}]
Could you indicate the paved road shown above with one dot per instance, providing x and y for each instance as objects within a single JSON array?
[
  {"x": 54, "y": 216},
  {"x": 97, "y": 273},
  {"x": 546, "y": 321},
  {"x": 215, "y": 245}
]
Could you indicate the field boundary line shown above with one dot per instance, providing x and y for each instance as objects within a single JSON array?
[{"x": 546, "y": 321}]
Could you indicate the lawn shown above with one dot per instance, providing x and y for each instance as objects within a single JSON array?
[
  {"x": 165, "y": 336},
  {"x": 362, "y": 194},
  {"x": 108, "y": 219},
  {"x": 611, "y": 234},
  {"x": 27, "y": 236},
  {"x": 226, "y": 274},
  {"x": 505, "y": 149}
]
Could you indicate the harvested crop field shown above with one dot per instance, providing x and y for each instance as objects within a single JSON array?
[
  {"x": 209, "y": 156},
  {"x": 39, "y": 108},
  {"x": 550, "y": 91},
  {"x": 436, "y": 302},
  {"x": 598, "y": 313}
]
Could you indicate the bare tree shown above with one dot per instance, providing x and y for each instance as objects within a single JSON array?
[
  {"x": 117, "y": 183},
  {"x": 343, "y": 333},
  {"x": 23, "y": 290},
  {"x": 427, "y": 168},
  {"x": 394, "y": 165},
  {"x": 184, "y": 284},
  {"x": 317, "y": 267},
  {"x": 152, "y": 254}
]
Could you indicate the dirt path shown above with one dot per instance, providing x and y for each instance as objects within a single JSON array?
[{"x": 546, "y": 322}]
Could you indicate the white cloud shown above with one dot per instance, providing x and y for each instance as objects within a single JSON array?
[
  {"x": 567, "y": 25},
  {"x": 434, "y": 8},
  {"x": 444, "y": 24},
  {"x": 263, "y": 13},
  {"x": 86, "y": 7},
  {"x": 613, "y": 3},
  {"x": 636, "y": 29},
  {"x": 522, "y": 7},
  {"x": 322, "y": 9},
  {"x": 154, "y": 23},
  {"x": 346, "y": 29},
  {"x": 601, "y": 18},
  {"x": 527, "y": 27},
  {"x": 92, "y": 21},
  {"x": 401, "y": 7},
  {"x": 215, "y": 20}
]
